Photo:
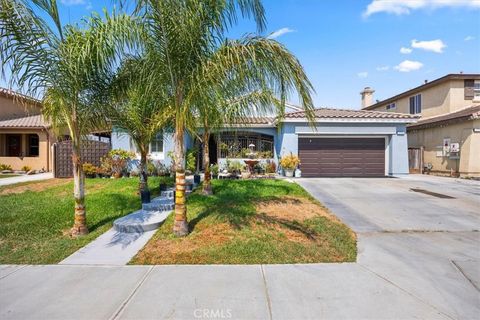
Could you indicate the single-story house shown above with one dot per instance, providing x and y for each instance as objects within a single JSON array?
[{"x": 350, "y": 143}]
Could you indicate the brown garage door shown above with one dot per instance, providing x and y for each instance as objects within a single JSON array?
[{"x": 342, "y": 157}]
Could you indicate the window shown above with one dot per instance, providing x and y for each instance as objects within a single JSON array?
[
  {"x": 238, "y": 144},
  {"x": 391, "y": 106},
  {"x": 157, "y": 143},
  {"x": 416, "y": 104},
  {"x": 476, "y": 90},
  {"x": 33, "y": 145}
]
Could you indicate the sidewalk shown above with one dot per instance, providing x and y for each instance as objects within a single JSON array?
[
  {"x": 188, "y": 292},
  {"x": 26, "y": 178}
]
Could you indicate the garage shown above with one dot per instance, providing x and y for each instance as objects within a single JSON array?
[{"x": 342, "y": 157}]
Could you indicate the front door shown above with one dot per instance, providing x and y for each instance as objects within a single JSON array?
[{"x": 14, "y": 145}]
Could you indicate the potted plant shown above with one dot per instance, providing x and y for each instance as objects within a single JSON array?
[
  {"x": 289, "y": 163},
  {"x": 214, "y": 170}
]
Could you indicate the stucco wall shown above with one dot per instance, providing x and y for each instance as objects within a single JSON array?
[
  {"x": 44, "y": 159},
  {"x": 443, "y": 98},
  {"x": 395, "y": 134},
  {"x": 286, "y": 139},
  {"x": 432, "y": 140},
  {"x": 9, "y": 109}
]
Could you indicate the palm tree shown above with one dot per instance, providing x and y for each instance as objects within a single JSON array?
[
  {"x": 191, "y": 56},
  {"x": 61, "y": 63},
  {"x": 136, "y": 108}
]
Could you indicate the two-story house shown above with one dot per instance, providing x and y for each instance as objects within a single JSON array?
[
  {"x": 446, "y": 139},
  {"x": 25, "y": 137}
]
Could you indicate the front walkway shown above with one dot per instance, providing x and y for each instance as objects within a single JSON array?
[
  {"x": 26, "y": 178},
  {"x": 430, "y": 272}
]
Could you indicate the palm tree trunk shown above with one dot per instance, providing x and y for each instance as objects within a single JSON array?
[
  {"x": 180, "y": 227},
  {"x": 80, "y": 222},
  {"x": 143, "y": 185},
  {"x": 207, "y": 183}
]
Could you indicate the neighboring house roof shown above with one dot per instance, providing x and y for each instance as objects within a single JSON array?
[
  {"x": 342, "y": 114},
  {"x": 448, "y": 77},
  {"x": 469, "y": 113},
  {"x": 16, "y": 95},
  {"x": 36, "y": 121}
]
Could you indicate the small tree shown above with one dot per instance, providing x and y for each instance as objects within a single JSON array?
[
  {"x": 136, "y": 108},
  {"x": 61, "y": 64}
]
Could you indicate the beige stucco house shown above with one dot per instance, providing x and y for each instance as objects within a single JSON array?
[
  {"x": 25, "y": 138},
  {"x": 446, "y": 139}
]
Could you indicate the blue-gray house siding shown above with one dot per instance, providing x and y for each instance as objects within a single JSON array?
[{"x": 286, "y": 136}]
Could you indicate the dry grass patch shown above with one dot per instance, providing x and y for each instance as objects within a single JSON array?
[
  {"x": 33, "y": 186},
  {"x": 245, "y": 223}
]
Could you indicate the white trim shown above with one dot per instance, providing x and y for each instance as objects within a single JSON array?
[
  {"x": 270, "y": 125},
  {"x": 354, "y": 120},
  {"x": 336, "y": 135},
  {"x": 345, "y": 134}
]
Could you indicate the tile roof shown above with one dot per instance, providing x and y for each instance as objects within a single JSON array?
[
  {"x": 469, "y": 113},
  {"x": 330, "y": 113},
  {"x": 35, "y": 121},
  {"x": 255, "y": 120},
  {"x": 16, "y": 95}
]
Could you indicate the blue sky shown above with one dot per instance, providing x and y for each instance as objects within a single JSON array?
[{"x": 345, "y": 45}]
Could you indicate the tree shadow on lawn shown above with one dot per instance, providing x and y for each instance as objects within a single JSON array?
[
  {"x": 235, "y": 202},
  {"x": 120, "y": 205}
]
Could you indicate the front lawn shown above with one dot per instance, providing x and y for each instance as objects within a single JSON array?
[
  {"x": 35, "y": 217},
  {"x": 250, "y": 222},
  {"x": 7, "y": 175}
]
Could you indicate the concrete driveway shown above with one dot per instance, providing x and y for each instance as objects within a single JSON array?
[
  {"x": 426, "y": 244},
  {"x": 429, "y": 272}
]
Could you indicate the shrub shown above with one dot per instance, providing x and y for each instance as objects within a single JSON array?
[
  {"x": 121, "y": 154},
  {"x": 289, "y": 162},
  {"x": 214, "y": 169},
  {"x": 26, "y": 168},
  {"x": 191, "y": 164},
  {"x": 5, "y": 167},
  {"x": 89, "y": 169},
  {"x": 235, "y": 166},
  {"x": 271, "y": 167},
  {"x": 151, "y": 168}
]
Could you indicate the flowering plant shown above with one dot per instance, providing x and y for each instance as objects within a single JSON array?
[{"x": 289, "y": 162}]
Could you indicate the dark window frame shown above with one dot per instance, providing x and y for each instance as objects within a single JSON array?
[{"x": 33, "y": 149}]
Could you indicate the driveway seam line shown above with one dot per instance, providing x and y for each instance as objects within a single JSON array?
[
  {"x": 406, "y": 291},
  {"x": 18, "y": 269},
  {"x": 464, "y": 275},
  {"x": 131, "y": 295},
  {"x": 269, "y": 303}
]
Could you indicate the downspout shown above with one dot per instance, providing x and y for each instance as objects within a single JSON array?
[{"x": 48, "y": 148}]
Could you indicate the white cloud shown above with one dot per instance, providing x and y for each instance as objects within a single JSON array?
[
  {"x": 280, "y": 32},
  {"x": 469, "y": 38},
  {"x": 383, "y": 68},
  {"x": 72, "y": 2},
  {"x": 432, "y": 45},
  {"x": 400, "y": 7},
  {"x": 362, "y": 74},
  {"x": 405, "y": 50},
  {"x": 408, "y": 65}
]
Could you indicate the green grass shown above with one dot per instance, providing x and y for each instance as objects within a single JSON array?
[
  {"x": 227, "y": 228},
  {"x": 33, "y": 224},
  {"x": 8, "y": 175}
]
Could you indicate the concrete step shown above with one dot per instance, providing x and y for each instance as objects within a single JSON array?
[
  {"x": 169, "y": 194},
  {"x": 159, "y": 204},
  {"x": 141, "y": 221}
]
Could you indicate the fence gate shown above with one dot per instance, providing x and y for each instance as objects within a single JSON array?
[
  {"x": 92, "y": 151},
  {"x": 415, "y": 160}
]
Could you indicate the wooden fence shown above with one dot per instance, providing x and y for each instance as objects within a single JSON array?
[{"x": 92, "y": 151}]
